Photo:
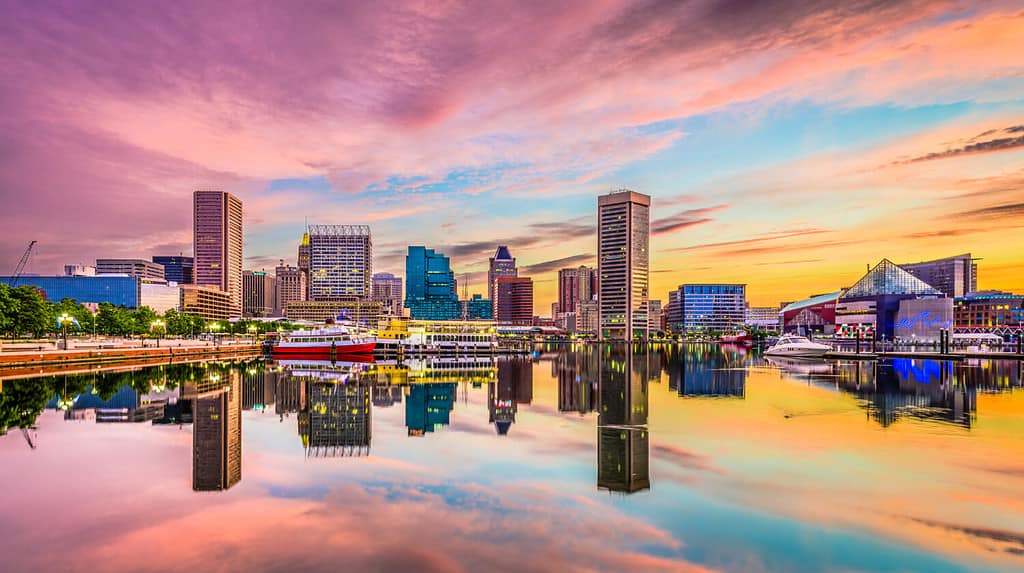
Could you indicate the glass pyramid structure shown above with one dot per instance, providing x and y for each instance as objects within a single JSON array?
[{"x": 888, "y": 278}]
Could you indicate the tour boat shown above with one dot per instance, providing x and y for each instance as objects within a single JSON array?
[
  {"x": 336, "y": 339},
  {"x": 797, "y": 346},
  {"x": 737, "y": 338}
]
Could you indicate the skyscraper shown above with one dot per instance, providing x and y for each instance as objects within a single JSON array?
[
  {"x": 291, "y": 287},
  {"x": 514, "y": 300},
  {"x": 340, "y": 262},
  {"x": 303, "y": 263},
  {"x": 430, "y": 285},
  {"x": 502, "y": 264},
  {"x": 258, "y": 293},
  {"x": 177, "y": 269},
  {"x": 575, "y": 285},
  {"x": 387, "y": 290},
  {"x": 217, "y": 239},
  {"x": 623, "y": 221}
]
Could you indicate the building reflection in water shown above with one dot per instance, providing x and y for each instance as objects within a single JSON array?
[
  {"x": 514, "y": 386},
  {"x": 336, "y": 420},
  {"x": 577, "y": 375},
  {"x": 216, "y": 430},
  {"x": 623, "y": 450},
  {"x": 707, "y": 370},
  {"x": 428, "y": 407}
]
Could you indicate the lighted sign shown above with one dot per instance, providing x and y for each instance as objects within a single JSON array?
[{"x": 924, "y": 318}]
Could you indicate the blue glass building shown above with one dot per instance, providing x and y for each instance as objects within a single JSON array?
[
  {"x": 117, "y": 290},
  {"x": 176, "y": 268},
  {"x": 428, "y": 407},
  {"x": 708, "y": 307},
  {"x": 430, "y": 292},
  {"x": 478, "y": 308}
]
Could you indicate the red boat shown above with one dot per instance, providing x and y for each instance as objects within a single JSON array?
[
  {"x": 737, "y": 338},
  {"x": 337, "y": 340}
]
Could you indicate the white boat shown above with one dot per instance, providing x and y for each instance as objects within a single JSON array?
[{"x": 797, "y": 346}]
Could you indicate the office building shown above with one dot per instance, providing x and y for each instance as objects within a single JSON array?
[
  {"x": 304, "y": 261},
  {"x": 575, "y": 285},
  {"x": 340, "y": 262},
  {"x": 990, "y": 311},
  {"x": 655, "y": 316},
  {"x": 514, "y": 300},
  {"x": 132, "y": 267},
  {"x": 364, "y": 312},
  {"x": 160, "y": 296},
  {"x": 430, "y": 285},
  {"x": 117, "y": 290},
  {"x": 711, "y": 307},
  {"x": 953, "y": 276},
  {"x": 387, "y": 290},
  {"x": 177, "y": 269},
  {"x": 763, "y": 318},
  {"x": 502, "y": 264},
  {"x": 217, "y": 432},
  {"x": 79, "y": 270},
  {"x": 477, "y": 308},
  {"x": 588, "y": 318},
  {"x": 217, "y": 240},
  {"x": 623, "y": 226},
  {"x": 290, "y": 287},
  {"x": 258, "y": 294},
  {"x": 210, "y": 303}
]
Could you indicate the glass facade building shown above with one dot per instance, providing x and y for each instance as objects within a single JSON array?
[
  {"x": 430, "y": 292},
  {"x": 477, "y": 308},
  {"x": 177, "y": 269},
  {"x": 868, "y": 309},
  {"x": 117, "y": 290},
  {"x": 624, "y": 224},
  {"x": 340, "y": 262},
  {"x": 702, "y": 307},
  {"x": 217, "y": 240},
  {"x": 954, "y": 276}
]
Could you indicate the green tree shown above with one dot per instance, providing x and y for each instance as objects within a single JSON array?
[
  {"x": 113, "y": 320},
  {"x": 21, "y": 402},
  {"x": 141, "y": 319},
  {"x": 8, "y": 309},
  {"x": 32, "y": 314}
]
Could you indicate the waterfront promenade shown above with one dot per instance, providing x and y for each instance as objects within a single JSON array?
[{"x": 32, "y": 354}]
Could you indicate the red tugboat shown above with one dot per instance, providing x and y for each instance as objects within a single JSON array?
[
  {"x": 741, "y": 337},
  {"x": 337, "y": 339}
]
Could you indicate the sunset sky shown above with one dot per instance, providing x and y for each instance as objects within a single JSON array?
[{"x": 786, "y": 144}]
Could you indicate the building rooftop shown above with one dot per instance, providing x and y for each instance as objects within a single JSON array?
[
  {"x": 812, "y": 301},
  {"x": 502, "y": 254}
]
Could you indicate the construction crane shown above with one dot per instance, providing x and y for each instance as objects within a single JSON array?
[{"x": 21, "y": 264}]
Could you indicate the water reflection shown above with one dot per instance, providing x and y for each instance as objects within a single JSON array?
[
  {"x": 708, "y": 370},
  {"x": 623, "y": 453},
  {"x": 216, "y": 430}
]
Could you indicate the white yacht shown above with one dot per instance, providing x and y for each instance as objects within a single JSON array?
[{"x": 797, "y": 346}]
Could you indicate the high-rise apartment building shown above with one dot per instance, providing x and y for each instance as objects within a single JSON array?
[
  {"x": 624, "y": 225},
  {"x": 575, "y": 285},
  {"x": 177, "y": 269},
  {"x": 132, "y": 267},
  {"x": 291, "y": 287},
  {"x": 502, "y": 264},
  {"x": 954, "y": 276},
  {"x": 340, "y": 262},
  {"x": 430, "y": 285},
  {"x": 217, "y": 239},
  {"x": 258, "y": 293},
  {"x": 387, "y": 290},
  {"x": 514, "y": 300}
]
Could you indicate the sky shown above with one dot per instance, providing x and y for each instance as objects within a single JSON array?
[{"x": 786, "y": 144}]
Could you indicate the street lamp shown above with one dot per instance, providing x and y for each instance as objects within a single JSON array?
[
  {"x": 252, "y": 330},
  {"x": 63, "y": 321},
  {"x": 213, "y": 329},
  {"x": 155, "y": 325}
]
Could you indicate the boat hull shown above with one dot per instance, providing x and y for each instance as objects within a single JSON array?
[
  {"x": 320, "y": 350},
  {"x": 797, "y": 352}
]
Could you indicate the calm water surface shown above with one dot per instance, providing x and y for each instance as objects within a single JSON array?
[{"x": 576, "y": 459}]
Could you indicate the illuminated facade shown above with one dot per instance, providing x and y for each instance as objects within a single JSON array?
[
  {"x": 868, "y": 309},
  {"x": 290, "y": 287},
  {"x": 990, "y": 311},
  {"x": 259, "y": 290},
  {"x": 502, "y": 264},
  {"x": 704, "y": 307},
  {"x": 340, "y": 262},
  {"x": 514, "y": 302},
  {"x": 816, "y": 314},
  {"x": 209, "y": 303},
  {"x": 953, "y": 276},
  {"x": 623, "y": 223},
  {"x": 217, "y": 432},
  {"x": 576, "y": 285},
  {"x": 117, "y": 290},
  {"x": 430, "y": 292},
  {"x": 217, "y": 240},
  {"x": 366, "y": 313},
  {"x": 339, "y": 418}
]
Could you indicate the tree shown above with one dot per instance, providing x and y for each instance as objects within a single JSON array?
[
  {"x": 113, "y": 320},
  {"x": 141, "y": 319},
  {"x": 8, "y": 309},
  {"x": 32, "y": 314},
  {"x": 21, "y": 402}
]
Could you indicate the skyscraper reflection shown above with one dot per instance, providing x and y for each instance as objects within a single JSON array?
[
  {"x": 428, "y": 407},
  {"x": 514, "y": 386},
  {"x": 576, "y": 371},
  {"x": 623, "y": 451},
  {"x": 706, "y": 370},
  {"x": 337, "y": 419},
  {"x": 217, "y": 431}
]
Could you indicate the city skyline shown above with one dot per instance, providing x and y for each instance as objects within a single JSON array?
[{"x": 784, "y": 147}]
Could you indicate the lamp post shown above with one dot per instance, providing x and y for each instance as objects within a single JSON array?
[
  {"x": 153, "y": 326},
  {"x": 63, "y": 321},
  {"x": 213, "y": 329},
  {"x": 252, "y": 330}
]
